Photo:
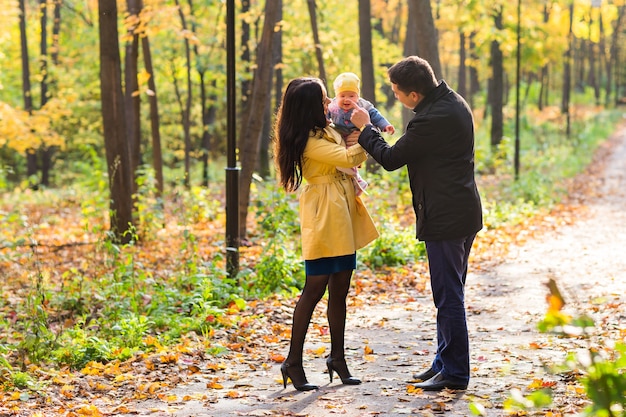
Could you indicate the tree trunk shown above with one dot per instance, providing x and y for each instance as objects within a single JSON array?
[
  {"x": 31, "y": 156},
  {"x": 46, "y": 151},
  {"x": 266, "y": 135},
  {"x": 43, "y": 51},
  {"x": 421, "y": 16},
  {"x": 56, "y": 30},
  {"x": 474, "y": 82},
  {"x": 246, "y": 83},
  {"x": 613, "y": 55},
  {"x": 593, "y": 61},
  {"x": 410, "y": 48},
  {"x": 132, "y": 96},
  {"x": 462, "y": 87},
  {"x": 157, "y": 153},
  {"x": 252, "y": 120},
  {"x": 368, "y": 82},
  {"x": 204, "y": 108},
  {"x": 543, "y": 80},
  {"x": 316, "y": 40},
  {"x": 114, "y": 124},
  {"x": 26, "y": 89},
  {"x": 567, "y": 71},
  {"x": 186, "y": 111},
  {"x": 497, "y": 86}
]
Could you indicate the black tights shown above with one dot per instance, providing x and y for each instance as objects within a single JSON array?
[{"x": 314, "y": 288}]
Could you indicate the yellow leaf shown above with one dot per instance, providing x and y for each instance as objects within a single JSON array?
[
  {"x": 214, "y": 384},
  {"x": 411, "y": 389},
  {"x": 89, "y": 410},
  {"x": 234, "y": 394},
  {"x": 368, "y": 350},
  {"x": 67, "y": 391},
  {"x": 319, "y": 351},
  {"x": 536, "y": 384},
  {"x": 275, "y": 357}
]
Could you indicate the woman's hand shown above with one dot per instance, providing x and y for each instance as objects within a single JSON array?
[{"x": 352, "y": 138}]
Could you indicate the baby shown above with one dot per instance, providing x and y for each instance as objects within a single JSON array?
[{"x": 347, "y": 91}]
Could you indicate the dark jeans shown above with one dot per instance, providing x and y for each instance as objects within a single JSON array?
[{"x": 447, "y": 261}]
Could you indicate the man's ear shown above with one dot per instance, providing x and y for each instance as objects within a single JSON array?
[{"x": 416, "y": 97}]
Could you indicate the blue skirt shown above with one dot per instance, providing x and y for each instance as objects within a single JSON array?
[{"x": 324, "y": 266}]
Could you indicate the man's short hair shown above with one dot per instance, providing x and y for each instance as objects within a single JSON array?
[{"x": 413, "y": 74}]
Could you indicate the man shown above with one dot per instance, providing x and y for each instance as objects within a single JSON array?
[{"x": 438, "y": 150}]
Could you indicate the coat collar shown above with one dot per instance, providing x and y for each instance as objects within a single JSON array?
[{"x": 434, "y": 95}]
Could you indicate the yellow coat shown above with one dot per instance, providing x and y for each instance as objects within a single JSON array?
[{"x": 333, "y": 221}]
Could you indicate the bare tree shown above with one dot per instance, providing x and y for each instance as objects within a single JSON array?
[{"x": 114, "y": 124}]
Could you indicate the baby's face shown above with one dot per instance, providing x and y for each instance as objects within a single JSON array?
[{"x": 345, "y": 99}]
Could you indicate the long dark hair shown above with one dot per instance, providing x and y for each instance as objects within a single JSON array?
[{"x": 301, "y": 112}]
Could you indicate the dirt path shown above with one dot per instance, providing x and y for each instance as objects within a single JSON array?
[{"x": 505, "y": 302}]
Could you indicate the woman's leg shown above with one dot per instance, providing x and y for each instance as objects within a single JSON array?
[
  {"x": 314, "y": 288},
  {"x": 338, "y": 287}
]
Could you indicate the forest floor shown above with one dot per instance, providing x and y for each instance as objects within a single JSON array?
[
  {"x": 391, "y": 331},
  {"x": 391, "y": 336}
]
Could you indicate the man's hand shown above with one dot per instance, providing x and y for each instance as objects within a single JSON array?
[{"x": 360, "y": 117}]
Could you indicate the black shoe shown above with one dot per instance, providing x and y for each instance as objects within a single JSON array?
[
  {"x": 439, "y": 382},
  {"x": 425, "y": 376},
  {"x": 341, "y": 368},
  {"x": 298, "y": 379}
]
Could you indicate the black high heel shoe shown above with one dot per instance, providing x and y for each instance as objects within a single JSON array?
[
  {"x": 299, "y": 382},
  {"x": 341, "y": 368}
]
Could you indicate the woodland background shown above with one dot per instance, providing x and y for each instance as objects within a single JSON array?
[{"x": 113, "y": 143}]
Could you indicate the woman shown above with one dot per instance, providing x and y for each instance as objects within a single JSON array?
[{"x": 333, "y": 221}]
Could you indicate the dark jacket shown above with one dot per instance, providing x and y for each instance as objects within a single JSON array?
[{"x": 438, "y": 150}]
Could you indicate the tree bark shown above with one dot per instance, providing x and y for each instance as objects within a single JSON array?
[
  {"x": 497, "y": 85},
  {"x": 114, "y": 124},
  {"x": 155, "y": 123},
  {"x": 204, "y": 108},
  {"x": 26, "y": 89},
  {"x": 31, "y": 155},
  {"x": 252, "y": 120},
  {"x": 410, "y": 48},
  {"x": 316, "y": 40},
  {"x": 474, "y": 81},
  {"x": 43, "y": 51},
  {"x": 186, "y": 111},
  {"x": 462, "y": 86},
  {"x": 264, "y": 165},
  {"x": 544, "y": 77},
  {"x": 368, "y": 82},
  {"x": 132, "y": 96},
  {"x": 613, "y": 56},
  {"x": 245, "y": 54},
  {"x": 420, "y": 14},
  {"x": 567, "y": 71}
]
